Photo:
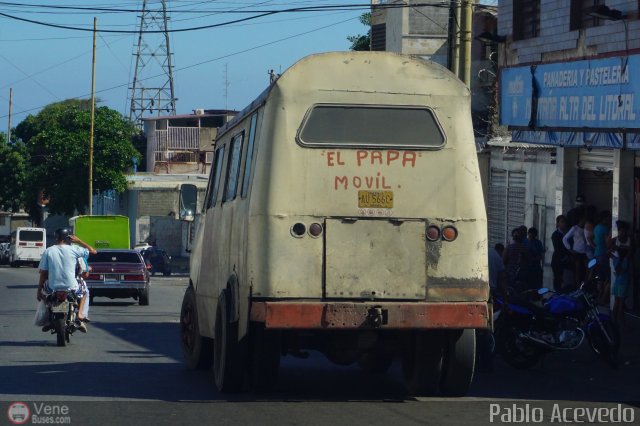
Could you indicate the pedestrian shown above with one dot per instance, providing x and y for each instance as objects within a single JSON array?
[
  {"x": 496, "y": 284},
  {"x": 499, "y": 247},
  {"x": 621, "y": 251},
  {"x": 561, "y": 258},
  {"x": 516, "y": 258},
  {"x": 536, "y": 251},
  {"x": 601, "y": 239},
  {"x": 576, "y": 243},
  {"x": 573, "y": 215}
]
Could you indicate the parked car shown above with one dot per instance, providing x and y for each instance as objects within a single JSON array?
[
  {"x": 157, "y": 261},
  {"x": 119, "y": 274}
]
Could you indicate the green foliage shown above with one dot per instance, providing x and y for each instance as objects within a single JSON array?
[
  {"x": 13, "y": 174},
  {"x": 57, "y": 141},
  {"x": 362, "y": 42}
]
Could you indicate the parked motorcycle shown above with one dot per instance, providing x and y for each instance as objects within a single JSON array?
[
  {"x": 62, "y": 307},
  {"x": 533, "y": 323}
]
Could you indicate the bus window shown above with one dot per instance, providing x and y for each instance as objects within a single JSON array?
[
  {"x": 371, "y": 126},
  {"x": 31, "y": 236},
  {"x": 233, "y": 168},
  {"x": 217, "y": 169},
  {"x": 249, "y": 159}
]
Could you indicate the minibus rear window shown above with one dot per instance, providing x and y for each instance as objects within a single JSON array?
[
  {"x": 30, "y": 236},
  {"x": 375, "y": 126}
]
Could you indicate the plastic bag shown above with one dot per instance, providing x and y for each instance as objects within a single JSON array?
[{"x": 41, "y": 317}]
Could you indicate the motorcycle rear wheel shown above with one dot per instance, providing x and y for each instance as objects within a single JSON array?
[
  {"x": 514, "y": 351},
  {"x": 600, "y": 344},
  {"x": 60, "y": 326}
]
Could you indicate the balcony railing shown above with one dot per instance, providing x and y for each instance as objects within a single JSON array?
[{"x": 176, "y": 145}]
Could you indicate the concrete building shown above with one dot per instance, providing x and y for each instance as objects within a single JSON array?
[
  {"x": 151, "y": 202},
  {"x": 183, "y": 143},
  {"x": 570, "y": 83}
]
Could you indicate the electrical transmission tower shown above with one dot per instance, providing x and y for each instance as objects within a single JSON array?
[{"x": 152, "y": 88}]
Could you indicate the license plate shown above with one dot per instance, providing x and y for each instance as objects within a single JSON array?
[
  {"x": 375, "y": 199},
  {"x": 62, "y": 307},
  {"x": 112, "y": 277}
]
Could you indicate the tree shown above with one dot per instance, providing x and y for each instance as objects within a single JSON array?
[
  {"x": 57, "y": 141},
  {"x": 13, "y": 174},
  {"x": 362, "y": 42}
]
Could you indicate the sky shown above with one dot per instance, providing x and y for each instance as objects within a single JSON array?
[
  {"x": 223, "y": 67},
  {"x": 215, "y": 68}
]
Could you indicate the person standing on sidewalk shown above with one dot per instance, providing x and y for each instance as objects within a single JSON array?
[{"x": 561, "y": 257}]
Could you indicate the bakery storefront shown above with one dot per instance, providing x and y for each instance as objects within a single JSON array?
[{"x": 589, "y": 110}]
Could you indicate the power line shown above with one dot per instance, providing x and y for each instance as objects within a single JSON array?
[{"x": 229, "y": 55}]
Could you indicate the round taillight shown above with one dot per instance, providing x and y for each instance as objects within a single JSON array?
[
  {"x": 433, "y": 233},
  {"x": 298, "y": 230},
  {"x": 449, "y": 233},
  {"x": 315, "y": 230}
]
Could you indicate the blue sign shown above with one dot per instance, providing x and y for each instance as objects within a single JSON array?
[{"x": 596, "y": 94}]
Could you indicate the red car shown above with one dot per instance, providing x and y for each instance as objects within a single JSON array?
[{"x": 118, "y": 274}]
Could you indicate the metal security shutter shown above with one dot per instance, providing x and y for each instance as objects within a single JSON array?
[
  {"x": 497, "y": 211},
  {"x": 598, "y": 159},
  {"x": 506, "y": 204},
  {"x": 515, "y": 200}
]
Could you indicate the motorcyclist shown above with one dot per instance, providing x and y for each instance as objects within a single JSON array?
[{"x": 58, "y": 268}]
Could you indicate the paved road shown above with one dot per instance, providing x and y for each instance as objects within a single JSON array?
[{"x": 130, "y": 362}]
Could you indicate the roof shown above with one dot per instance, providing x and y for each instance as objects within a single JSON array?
[
  {"x": 506, "y": 142},
  {"x": 207, "y": 113}
]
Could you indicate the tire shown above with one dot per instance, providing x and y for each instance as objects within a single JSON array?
[
  {"x": 375, "y": 362},
  {"x": 59, "y": 325},
  {"x": 515, "y": 352},
  {"x": 600, "y": 344},
  {"x": 264, "y": 356},
  {"x": 228, "y": 356},
  {"x": 143, "y": 298},
  {"x": 196, "y": 350},
  {"x": 422, "y": 359},
  {"x": 459, "y": 362}
]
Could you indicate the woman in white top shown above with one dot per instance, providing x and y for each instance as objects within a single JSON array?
[{"x": 578, "y": 249}]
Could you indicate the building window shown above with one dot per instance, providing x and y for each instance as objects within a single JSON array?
[
  {"x": 379, "y": 37},
  {"x": 580, "y": 17},
  {"x": 526, "y": 19}
]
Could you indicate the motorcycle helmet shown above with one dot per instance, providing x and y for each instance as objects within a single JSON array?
[{"x": 62, "y": 234}]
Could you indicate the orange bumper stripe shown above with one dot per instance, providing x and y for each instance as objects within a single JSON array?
[{"x": 340, "y": 315}]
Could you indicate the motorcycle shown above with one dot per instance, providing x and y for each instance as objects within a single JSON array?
[
  {"x": 530, "y": 324},
  {"x": 62, "y": 307}
]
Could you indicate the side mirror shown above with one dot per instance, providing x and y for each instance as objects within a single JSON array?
[{"x": 188, "y": 202}]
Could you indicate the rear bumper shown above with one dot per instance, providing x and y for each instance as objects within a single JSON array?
[
  {"x": 371, "y": 315},
  {"x": 116, "y": 286}
]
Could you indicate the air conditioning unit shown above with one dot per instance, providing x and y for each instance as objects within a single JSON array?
[{"x": 198, "y": 111}]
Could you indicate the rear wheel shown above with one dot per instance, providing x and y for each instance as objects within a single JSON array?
[
  {"x": 143, "y": 298},
  {"x": 197, "y": 350},
  {"x": 228, "y": 355},
  {"x": 607, "y": 349},
  {"x": 514, "y": 350},
  {"x": 422, "y": 362},
  {"x": 264, "y": 358},
  {"x": 459, "y": 362},
  {"x": 59, "y": 326}
]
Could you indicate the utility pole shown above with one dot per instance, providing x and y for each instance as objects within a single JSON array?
[
  {"x": 467, "y": 19},
  {"x": 226, "y": 85},
  {"x": 93, "y": 115},
  {"x": 152, "y": 87},
  {"x": 10, "y": 110}
]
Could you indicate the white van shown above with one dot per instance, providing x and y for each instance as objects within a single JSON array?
[{"x": 27, "y": 246}]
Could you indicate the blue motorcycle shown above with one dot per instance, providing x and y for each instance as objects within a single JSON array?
[{"x": 535, "y": 322}]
